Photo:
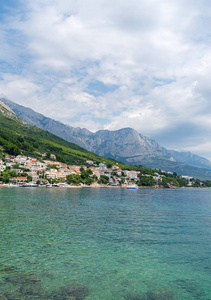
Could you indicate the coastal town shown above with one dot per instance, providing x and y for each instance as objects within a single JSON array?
[
  {"x": 26, "y": 171},
  {"x": 23, "y": 169}
]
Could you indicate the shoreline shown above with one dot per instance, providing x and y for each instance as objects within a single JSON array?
[{"x": 101, "y": 186}]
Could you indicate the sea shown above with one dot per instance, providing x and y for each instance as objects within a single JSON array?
[{"x": 105, "y": 243}]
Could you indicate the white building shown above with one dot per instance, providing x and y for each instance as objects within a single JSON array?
[
  {"x": 132, "y": 174},
  {"x": 102, "y": 167},
  {"x": 2, "y": 168},
  {"x": 20, "y": 159}
]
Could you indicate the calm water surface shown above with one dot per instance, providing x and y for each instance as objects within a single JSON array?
[{"x": 119, "y": 243}]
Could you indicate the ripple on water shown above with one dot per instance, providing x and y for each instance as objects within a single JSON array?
[{"x": 105, "y": 244}]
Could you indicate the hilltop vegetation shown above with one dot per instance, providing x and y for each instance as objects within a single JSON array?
[{"x": 17, "y": 137}]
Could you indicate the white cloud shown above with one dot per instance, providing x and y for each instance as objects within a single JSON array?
[
  {"x": 17, "y": 87},
  {"x": 152, "y": 59}
]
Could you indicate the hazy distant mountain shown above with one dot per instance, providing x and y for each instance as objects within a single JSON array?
[{"x": 125, "y": 144}]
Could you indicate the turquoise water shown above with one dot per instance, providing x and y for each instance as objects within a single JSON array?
[{"x": 121, "y": 244}]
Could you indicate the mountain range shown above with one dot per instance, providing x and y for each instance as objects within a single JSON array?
[
  {"x": 126, "y": 145},
  {"x": 17, "y": 137}
]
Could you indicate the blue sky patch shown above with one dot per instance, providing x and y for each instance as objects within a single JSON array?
[
  {"x": 98, "y": 88},
  {"x": 6, "y": 6}
]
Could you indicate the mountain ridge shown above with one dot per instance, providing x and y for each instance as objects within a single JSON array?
[
  {"x": 125, "y": 144},
  {"x": 17, "y": 137}
]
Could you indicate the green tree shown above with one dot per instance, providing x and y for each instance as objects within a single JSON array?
[
  {"x": 27, "y": 146},
  {"x": 89, "y": 180},
  {"x": 208, "y": 183},
  {"x": 109, "y": 165},
  {"x": 13, "y": 174},
  {"x": 122, "y": 181},
  {"x": 196, "y": 183},
  {"x": 89, "y": 171},
  {"x": 12, "y": 149},
  {"x": 146, "y": 181},
  {"x": 104, "y": 179},
  {"x": 5, "y": 178},
  {"x": 29, "y": 178},
  {"x": 74, "y": 179},
  {"x": 169, "y": 181},
  {"x": 16, "y": 166},
  {"x": 60, "y": 158},
  {"x": 83, "y": 174}
]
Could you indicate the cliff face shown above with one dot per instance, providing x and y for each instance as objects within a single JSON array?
[
  {"x": 6, "y": 110},
  {"x": 125, "y": 144}
]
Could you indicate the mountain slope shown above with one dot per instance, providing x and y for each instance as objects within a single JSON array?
[
  {"x": 125, "y": 144},
  {"x": 17, "y": 137},
  {"x": 70, "y": 134}
]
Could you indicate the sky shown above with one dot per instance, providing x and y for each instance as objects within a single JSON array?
[{"x": 102, "y": 64}]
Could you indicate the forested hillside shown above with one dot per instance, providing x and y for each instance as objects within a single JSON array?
[{"x": 17, "y": 137}]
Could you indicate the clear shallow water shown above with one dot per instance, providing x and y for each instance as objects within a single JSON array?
[{"x": 119, "y": 243}]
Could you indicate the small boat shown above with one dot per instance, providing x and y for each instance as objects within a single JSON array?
[
  {"x": 48, "y": 185},
  {"x": 30, "y": 185},
  {"x": 55, "y": 185},
  {"x": 132, "y": 187}
]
